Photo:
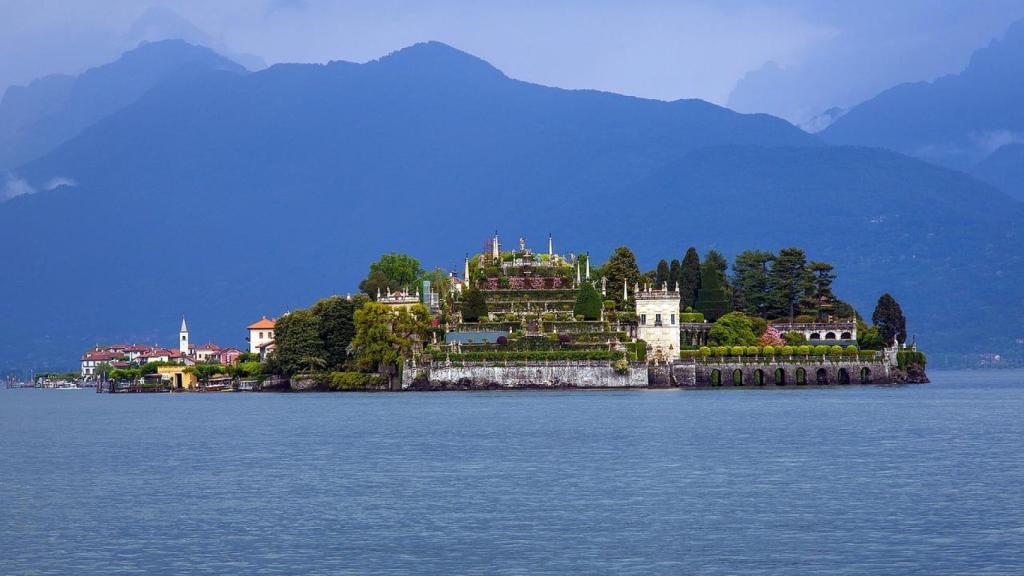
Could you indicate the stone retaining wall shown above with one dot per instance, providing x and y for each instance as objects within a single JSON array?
[
  {"x": 554, "y": 375},
  {"x": 786, "y": 373}
]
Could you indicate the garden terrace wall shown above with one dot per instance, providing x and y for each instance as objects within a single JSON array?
[{"x": 484, "y": 375}]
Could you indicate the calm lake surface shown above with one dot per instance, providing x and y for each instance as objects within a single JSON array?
[{"x": 855, "y": 480}]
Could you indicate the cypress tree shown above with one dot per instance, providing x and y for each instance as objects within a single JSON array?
[
  {"x": 661, "y": 274},
  {"x": 888, "y": 318},
  {"x": 689, "y": 278},
  {"x": 711, "y": 298},
  {"x": 673, "y": 274}
]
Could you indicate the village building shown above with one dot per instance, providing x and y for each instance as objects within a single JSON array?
[{"x": 261, "y": 333}]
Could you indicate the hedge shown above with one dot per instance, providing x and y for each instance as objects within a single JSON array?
[
  {"x": 498, "y": 356},
  {"x": 354, "y": 380},
  {"x": 691, "y": 317},
  {"x": 907, "y": 357}
]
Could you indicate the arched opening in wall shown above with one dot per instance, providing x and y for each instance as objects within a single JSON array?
[
  {"x": 815, "y": 336},
  {"x": 737, "y": 377},
  {"x": 846, "y": 336},
  {"x": 780, "y": 377},
  {"x": 716, "y": 377},
  {"x": 822, "y": 377},
  {"x": 801, "y": 376},
  {"x": 865, "y": 375},
  {"x": 758, "y": 377},
  {"x": 830, "y": 336},
  {"x": 843, "y": 377}
]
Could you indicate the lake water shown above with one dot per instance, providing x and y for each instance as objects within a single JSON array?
[{"x": 855, "y": 480}]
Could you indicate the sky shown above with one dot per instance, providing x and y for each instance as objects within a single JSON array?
[{"x": 792, "y": 58}]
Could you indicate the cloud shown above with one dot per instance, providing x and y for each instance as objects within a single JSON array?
[
  {"x": 58, "y": 181},
  {"x": 15, "y": 187}
]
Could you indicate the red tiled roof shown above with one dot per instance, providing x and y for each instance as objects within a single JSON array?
[
  {"x": 262, "y": 324},
  {"x": 208, "y": 346},
  {"x": 101, "y": 355}
]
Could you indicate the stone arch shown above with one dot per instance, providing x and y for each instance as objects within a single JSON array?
[
  {"x": 846, "y": 336},
  {"x": 815, "y": 336},
  {"x": 843, "y": 376},
  {"x": 821, "y": 376},
  {"x": 801, "y": 376},
  {"x": 715, "y": 378},
  {"x": 830, "y": 336},
  {"x": 759, "y": 377},
  {"x": 780, "y": 377},
  {"x": 865, "y": 375},
  {"x": 737, "y": 377}
]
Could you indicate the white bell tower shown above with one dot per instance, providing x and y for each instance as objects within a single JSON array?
[{"x": 183, "y": 337}]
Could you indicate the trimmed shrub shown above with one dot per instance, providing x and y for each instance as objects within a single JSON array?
[
  {"x": 705, "y": 351},
  {"x": 851, "y": 350},
  {"x": 688, "y": 354},
  {"x": 738, "y": 350},
  {"x": 836, "y": 350},
  {"x": 752, "y": 350},
  {"x": 769, "y": 350},
  {"x": 803, "y": 350},
  {"x": 788, "y": 350},
  {"x": 820, "y": 350},
  {"x": 691, "y": 317},
  {"x": 722, "y": 350}
]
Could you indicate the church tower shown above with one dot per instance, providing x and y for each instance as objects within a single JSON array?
[{"x": 183, "y": 337}]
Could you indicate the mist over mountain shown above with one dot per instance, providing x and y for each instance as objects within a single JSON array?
[
  {"x": 954, "y": 121},
  {"x": 226, "y": 197},
  {"x": 1004, "y": 169},
  {"x": 36, "y": 118}
]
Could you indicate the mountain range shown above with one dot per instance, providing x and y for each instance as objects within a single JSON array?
[
  {"x": 959, "y": 121},
  {"x": 226, "y": 195}
]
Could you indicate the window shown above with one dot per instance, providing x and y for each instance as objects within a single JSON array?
[
  {"x": 657, "y": 319},
  {"x": 643, "y": 318},
  {"x": 261, "y": 335},
  {"x": 673, "y": 319}
]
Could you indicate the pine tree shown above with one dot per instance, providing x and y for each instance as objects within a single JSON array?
[
  {"x": 888, "y": 318},
  {"x": 661, "y": 274},
  {"x": 588, "y": 302},
  {"x": 711, "y": 299},
  {"x": 823, "y": 277},
  {"x": 789, "y": 283},
  {"x": 750, "y": 281},
  {"x": 689, "y": 279},
  {"x": 673, "y": 274},
  {"x": 620, "y": 267}
]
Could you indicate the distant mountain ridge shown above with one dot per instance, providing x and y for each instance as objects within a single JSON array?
[
  {"x": 954, "y": 121},
  {"x": 228, "y": 196},
  {"x": 35, "y": 119}
]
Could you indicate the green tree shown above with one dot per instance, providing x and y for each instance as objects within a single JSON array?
[
  {"x": 823, "y": 275},
  {"x": 336, "y": 321},
  {"x": 384, "y": 336},
  {"x": 733, "y": 329},
  {"x": 588, "y": 302},
  {"x": 689, "y": 279},
  {"x": 620, "y": 267},
  {"x": 888, "y": 318},
  {"x": 711, "y": 299},
  {"x": 296, "y": 339},
  {"x": 674, "y": 270},
  {"x": 394, "y": 271},
  {"x": 661, "y": 274},
  {"x": 789, "y": 283},
  {"x": 474, "y": 305},
  {"x": 750, "y": 281}
]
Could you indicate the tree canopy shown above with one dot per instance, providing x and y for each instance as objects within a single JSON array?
[
  {"x": 392, "y": 271},
  {"x": 733, "y": 329},
  {"x": 790, "y": 283},
  {"x": 297, "y": 342},
  {"x": 689, "y": 279},
  {"x": 888, "y": 318},
  {"x": 620, "y": 267},
  {"x": 474, "y": 305},
  {"x": 588, "y": 302}
]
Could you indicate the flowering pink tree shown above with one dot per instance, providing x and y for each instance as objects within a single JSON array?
[{"x": 771, "y": 337}]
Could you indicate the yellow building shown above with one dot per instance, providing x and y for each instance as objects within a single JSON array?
[{"x": 178, "y": 377}]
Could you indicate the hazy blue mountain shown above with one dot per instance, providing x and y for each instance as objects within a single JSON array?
[
  {"x": 226, "y": 197},
  {"x": 1004, "y": 169},
  {"x": 954, "y": 121},
  {"x": 34, "y": 119}
]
